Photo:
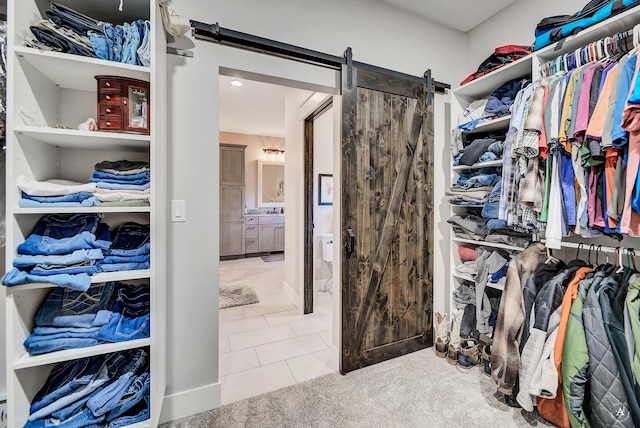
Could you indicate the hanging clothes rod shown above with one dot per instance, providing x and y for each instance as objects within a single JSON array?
[
  {"x": 606, "y": 47},
  {"x": 600, "y": 248},
  {"x": 225, "y": 36}
]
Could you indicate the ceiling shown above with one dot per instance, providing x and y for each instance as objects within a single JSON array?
[
  {"x": 461, "y": 15},
  {"x": 255, "y": 108},
  {"x": 258, "y": 108}
]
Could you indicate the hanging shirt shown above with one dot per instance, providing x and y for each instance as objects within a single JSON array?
[
  {"x": 596, "y": 124},
  {"x": 582, "y": 114},
  {"x": 619, "y": 136},
  {"x": 630, "y": 222}
]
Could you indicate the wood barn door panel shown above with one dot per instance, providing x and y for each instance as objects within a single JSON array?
[{"x": 387, "y": 290}]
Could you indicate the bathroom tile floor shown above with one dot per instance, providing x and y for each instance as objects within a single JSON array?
[{"x": 270, "y": 345}]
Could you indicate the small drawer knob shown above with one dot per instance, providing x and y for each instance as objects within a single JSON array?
[
  {"x": 108, "y": 123},
  {"x": 125, "y": 102},
  {"x": 108, "y": 110},
  {"x": 108, "y": 84},
  {"x": 108, "y": 97}
]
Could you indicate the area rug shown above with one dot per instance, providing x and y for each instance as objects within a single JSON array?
[
  {"x": 237, "y": 294},
  {"x": 273, "y": 258}
]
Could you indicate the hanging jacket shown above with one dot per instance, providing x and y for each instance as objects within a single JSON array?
[
  {"x": 612, "y": 289},
  {"x": 632, "y": 303},
  {"x": 505, "y": 357},
  {"x": 609, "y": 405},
  {"x": 554, "y": 409},
  {"x": 547, "y": 301}
]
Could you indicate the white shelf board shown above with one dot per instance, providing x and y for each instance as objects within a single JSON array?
[
  {"x": 617, "y": 23},
  {"x": 75, "y": 71},
  {"x": 28, "y": 361},
  {"x": 492, "y": 125},
  {"x": 487, "y": 244},
  {"x": 485, "y": 85},
  {"x": 463, "y": 277},
  {"x": 86, "y": 140},
  {"x": 97, "y": 278},
  {"x": 78, "y": 210},
  {"x": 497, "y": 162},
  {"x": 455, "y": 206}
]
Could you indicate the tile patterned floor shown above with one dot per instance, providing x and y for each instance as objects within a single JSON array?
[{"x": 270, "y": 345}]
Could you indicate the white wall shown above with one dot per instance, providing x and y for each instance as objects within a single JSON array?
[
  {"x": 514, "y": 25},
  {"x": 377, "y": 33},
  {"x": 322, "y": 164},
  {"x": 253, "y": 152}
]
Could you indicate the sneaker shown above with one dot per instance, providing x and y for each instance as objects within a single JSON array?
[
  {"x": 470, "y": 354},
  {"x": 452, "y": 355},
  {"x": 442, "y": 336}
]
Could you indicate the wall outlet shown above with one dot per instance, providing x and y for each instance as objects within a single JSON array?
[{"x": 3, "y": 414}]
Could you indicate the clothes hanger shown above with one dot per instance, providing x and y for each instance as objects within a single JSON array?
[
  {"x": 550, "y": 258},
  {"x": 598, "y": 254},
  {"x": 619, "y": 261},
  {"x": 591, "y": 247},
  {"x": 578, "y": 248}
]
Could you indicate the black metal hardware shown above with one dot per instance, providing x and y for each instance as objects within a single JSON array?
[{"x": 351, "y": 244}]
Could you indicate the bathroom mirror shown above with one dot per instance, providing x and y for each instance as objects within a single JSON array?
[{"x": 270, "y": 184}]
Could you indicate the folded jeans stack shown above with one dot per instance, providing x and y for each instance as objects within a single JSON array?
[
  {"x": 130, "y": 249},
  {"x": 478, "y": 151},
  {"x": 106, "y": 390},
  {"x": 69, "y": 31},
  {"x": 56, "y": 193},
  {"x": 62, "y": 250},
  {"x": 122, "y": 182},
  {"x": 107, "y": 312}
]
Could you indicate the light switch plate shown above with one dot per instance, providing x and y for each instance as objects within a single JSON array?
[{"x": 178, "y": 211}]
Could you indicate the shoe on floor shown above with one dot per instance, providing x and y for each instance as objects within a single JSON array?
[
  {"x": 486, "y": 359},
  {"x": 452, "y": 354},
  {"x": 454, "y": 342},
  {"x": 442, "y": 335},
  {"x": 470, "y": 354}
]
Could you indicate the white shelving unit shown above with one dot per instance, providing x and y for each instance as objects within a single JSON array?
[
  {"x": 50, "y": 88},
  {"x": 526, "y": 67}
]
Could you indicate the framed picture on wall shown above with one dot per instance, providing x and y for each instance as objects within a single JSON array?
[{"x": 325, "y": 189}]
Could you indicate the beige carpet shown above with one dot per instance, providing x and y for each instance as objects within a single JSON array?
[{"x": 417, "y": 390}]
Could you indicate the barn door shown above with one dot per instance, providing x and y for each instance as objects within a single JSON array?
[{"x": 386, "y": 216}]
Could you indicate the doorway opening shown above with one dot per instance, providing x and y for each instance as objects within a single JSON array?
[{"x": 269, "y": 343}]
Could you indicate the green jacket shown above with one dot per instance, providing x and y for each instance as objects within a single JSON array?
[{"x": 575, "y": 360}]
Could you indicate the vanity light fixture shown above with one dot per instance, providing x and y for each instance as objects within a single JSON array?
[
  {"x": 236, "y": 83},
  {"x": 273, "y": 155}
]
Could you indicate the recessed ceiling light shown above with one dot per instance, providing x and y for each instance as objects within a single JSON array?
[{"x": 236, "y": 83}]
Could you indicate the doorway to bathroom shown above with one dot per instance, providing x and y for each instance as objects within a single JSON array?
[{"x": 269, "y": 343}]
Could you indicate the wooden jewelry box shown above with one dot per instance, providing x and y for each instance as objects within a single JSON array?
[{"x": 123, "y": 105}]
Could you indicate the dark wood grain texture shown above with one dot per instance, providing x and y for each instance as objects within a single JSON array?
[{"x": 387, "y": 192}]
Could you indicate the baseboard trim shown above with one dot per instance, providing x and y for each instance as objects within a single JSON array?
[
  {"x": 293, "y": 296},
  {"x": 191, "y": 402}
]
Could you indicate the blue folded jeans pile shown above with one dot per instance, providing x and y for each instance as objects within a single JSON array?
[
  {"x": 107, "y": 312},
  {"x": 122, "y": 182},
  {"x": 56, "y": 193},
  {"x": 106, "y": 390},
  {"x": 62, "y": 250},
  {"x": 69, "y": 31},
  {"x": 130, "y": 249}
]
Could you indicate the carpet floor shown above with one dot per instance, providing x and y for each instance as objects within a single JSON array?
[{"x": 416, "y": 390}]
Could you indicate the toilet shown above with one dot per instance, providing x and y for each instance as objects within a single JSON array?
[{"x": 327, "y": 256}]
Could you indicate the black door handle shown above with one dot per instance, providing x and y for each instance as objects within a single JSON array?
[{"x": 351, "y": 244}]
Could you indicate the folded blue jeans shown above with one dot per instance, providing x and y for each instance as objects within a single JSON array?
[
  {"x": 121, "y": 177},
  {"x": 109, "y": 396},
  {"x": 89, "y": 267},
  {"x": 68, "y": 308},
  {"x": 78, "y": 256},
  {"x": 36, "y": 245},
  {"x": 116, "y": 267},
  {"x": 131, "y": 44},
  {"x": 60, "y": 344},
  {"x": 131, "y": 319},
  {"x": 74, "y": 197},
  {"x": 139, "y": 181},
  {"x": 80, "y": 282},
  {"x": 138, "y": 413},
  {"x": 71, "y": 381},
  {"x": 130, "y": 236},
  {"x": 28, "y": 203},
  {"x": 144, "y": 258},
  {"x": 136, "y": 393},
  {"x": 59, "y": 226},
  {"x": 144, "y": 51},
  {"x": 82, "y": 418},
  {"x": 117, "y": 186}
]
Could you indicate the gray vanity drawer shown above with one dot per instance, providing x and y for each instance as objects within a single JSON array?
[
  {"x": 251, "y": 245},
  {"x": 251, "y": 230}
]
